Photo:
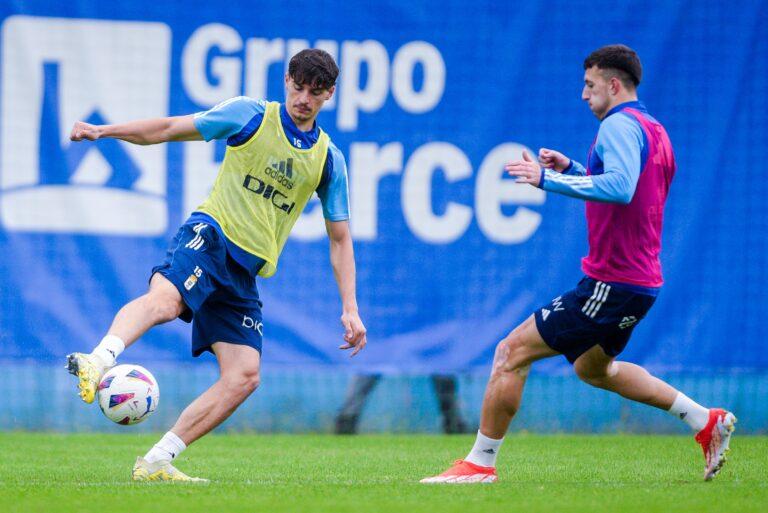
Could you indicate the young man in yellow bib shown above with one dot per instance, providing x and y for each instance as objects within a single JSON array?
[{"x": 276, "y": 158}]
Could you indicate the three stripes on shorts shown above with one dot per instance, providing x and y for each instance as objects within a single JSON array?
[
  {"x": 197, "y": 241},
  {"x": 593, "y": 304}
]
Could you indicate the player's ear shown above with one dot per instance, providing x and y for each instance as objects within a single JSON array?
[
  {"x": 615, "y": 85},
  {"x": 287, "y": 79},
  {"x": 330, "y": 92}
]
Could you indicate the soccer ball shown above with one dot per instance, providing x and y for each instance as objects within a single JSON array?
[{"x": 128, "y": 394}]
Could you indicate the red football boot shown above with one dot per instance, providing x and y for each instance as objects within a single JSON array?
[
  {"x": 464, "y": 472},
  {"x": 714, "y": 440}
]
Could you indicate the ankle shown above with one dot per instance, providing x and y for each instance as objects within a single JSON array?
[
  {"x": 110, "y": 347},
  {"x": 485, "y": 451}
]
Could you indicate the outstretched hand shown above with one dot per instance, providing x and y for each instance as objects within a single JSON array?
[
  {"x": 85, "y": 131},
  {"x": 526, "y": 170},
  {"x": 354, "y": 332}
]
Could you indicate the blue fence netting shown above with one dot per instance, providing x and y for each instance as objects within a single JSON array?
[{"x": 450, "y": 254}]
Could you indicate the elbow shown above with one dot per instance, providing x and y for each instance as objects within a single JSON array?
[
  {"x": 147, "y": 139},
  {"x": 166, "y": 133},
  {"x": 624, "y": 192},
  {"x": 625, "y": 198}
]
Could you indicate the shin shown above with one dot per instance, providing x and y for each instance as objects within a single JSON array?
[
  {"x": 626, "y": 379},
  {"x": 511, "y": 364}
]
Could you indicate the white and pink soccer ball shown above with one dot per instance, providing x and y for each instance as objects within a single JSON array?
[{"x": 128, "y": 394}]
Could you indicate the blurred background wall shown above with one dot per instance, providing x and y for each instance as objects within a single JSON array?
[{"x": 432, "y": 99}]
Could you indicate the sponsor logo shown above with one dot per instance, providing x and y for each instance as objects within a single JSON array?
[
  {"x": 49, "y": 184},
  {"x": 626, "y": 322},
  {"x": 279, "y": 200},
  {"x": 252, "y": 324},
  {"x": 557, "y": 304},
  {"x": 282, "y": 172}
]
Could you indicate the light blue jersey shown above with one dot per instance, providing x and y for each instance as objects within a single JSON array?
[
  {"x": 237, "y": 119},
  {"x": 618, "y": 156}
]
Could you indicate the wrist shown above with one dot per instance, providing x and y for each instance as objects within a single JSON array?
[{"x": 101, "y": 131}]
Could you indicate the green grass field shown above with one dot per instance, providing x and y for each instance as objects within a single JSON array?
[{"x": 316, "y": 473}]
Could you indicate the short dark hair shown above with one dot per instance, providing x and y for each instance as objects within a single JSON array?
[
  {"x": 313, "y": 67},
  {"x": 620, "y": 59}
]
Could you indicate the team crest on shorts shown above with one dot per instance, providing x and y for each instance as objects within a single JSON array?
[
  {"x": 626, "y": 322},
  {"x": 192, "y": 280}
]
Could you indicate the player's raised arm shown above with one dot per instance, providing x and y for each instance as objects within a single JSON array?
[
  {"x": 343, "y": 262},
  {"x": 619, "y": 144},
  {"x": 143, "y": 131}
]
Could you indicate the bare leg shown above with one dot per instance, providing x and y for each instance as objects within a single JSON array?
[
  {"x": 162, "y": 303},
  {"x": 626, "y": 379},
  {"x": 511, "y": 364},
  {"x": 239, "y": 367}
]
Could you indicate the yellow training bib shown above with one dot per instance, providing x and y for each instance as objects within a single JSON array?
[{"x": 262, "y": 188}]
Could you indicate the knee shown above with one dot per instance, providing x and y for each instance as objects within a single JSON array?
[
  {"x": 163, "y": 307},
  {"x": 511, "y": 355},
  {"x": 597, "y": 377},
  {"x": 250, "y": 380},
  {"x": 244, "y": 381}
]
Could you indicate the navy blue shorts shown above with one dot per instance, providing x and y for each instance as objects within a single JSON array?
[
  {"x": 221, "y": 296},
  {"x": 594, "y": 313}
]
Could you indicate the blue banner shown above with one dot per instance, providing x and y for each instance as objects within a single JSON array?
[{"x": 432, "y": 99}]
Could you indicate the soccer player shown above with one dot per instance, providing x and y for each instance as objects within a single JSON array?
[
  {"x": 276, "y": 158},
  {"x": 629, "y": 170}
]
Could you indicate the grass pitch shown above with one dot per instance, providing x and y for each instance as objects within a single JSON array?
[{"x": 316, "y": 473}]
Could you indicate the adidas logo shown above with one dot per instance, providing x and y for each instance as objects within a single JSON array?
[
  {"x": 683, "y": 415},
  {"x": 197, "y": 241},
  {"x": 284, "y": 167},
  {"x": 545, "y": 313},
  {"x": 489, "y": 451},
  {"x": 281, "y": 172}
]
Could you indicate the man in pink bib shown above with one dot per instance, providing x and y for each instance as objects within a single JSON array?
[{"x": 630, "y": 167}]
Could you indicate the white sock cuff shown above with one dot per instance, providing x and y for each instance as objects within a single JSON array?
[
  {"x": 110, "y": 347},
  {"x": 113, "y": 342},
  {"x": 490, "y": 441},
  {"x": 171, "y": 437},
  {"x": 678, "y": 403},
  {"x": 166, "y": 449},
  {"x": 485, "y": 451},
  {"x": 689, "y": 411}
]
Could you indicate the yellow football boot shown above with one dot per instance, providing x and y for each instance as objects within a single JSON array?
[
  {"x": 161, "y": 471},
  {"x": 89, "y": 369}
]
